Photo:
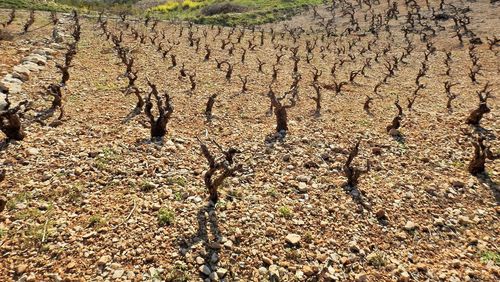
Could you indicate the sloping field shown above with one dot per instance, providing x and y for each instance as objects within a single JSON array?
[{"x": 329, "y": 181}]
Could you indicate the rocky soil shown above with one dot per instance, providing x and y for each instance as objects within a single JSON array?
[{"x": 93, "y": 199}]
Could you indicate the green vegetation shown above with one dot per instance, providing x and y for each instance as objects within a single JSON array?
[
  {"x": 165, "y": 217},
  {"x": 490, "y": 256},
  {"x": 35, "y": 5},
  {"x": 377, "y": 259},
  {"x": 147, "y": 186},
  {"x": 96, "y": 220},
  {"x": 219, "y": 12},
  {"x": 3, "y": 232},
  {"x": 230, "y": 13},
  {"x": 178, "y": 180},
  {"x": 285, "y": 212},
  {"x": 19, "y": 198}
]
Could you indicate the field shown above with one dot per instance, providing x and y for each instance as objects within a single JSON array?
[
  {"x": 354, "y": 141},
  {"x": 229, "y": 13}
]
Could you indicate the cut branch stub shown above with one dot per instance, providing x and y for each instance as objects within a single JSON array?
[
  {"x": 352, "y": 173},
  {"x": 476, "y": 115},
  {"x": 396, "y": 122},
  {"x": 159, "y": 124},
  {"x": 210, "y": 105},
  {"x": 10, "y": 122},
  {"x": 280, "y": 111},
  {"x": 481, "y": 153},
  {"x": 219, "y": 169}
]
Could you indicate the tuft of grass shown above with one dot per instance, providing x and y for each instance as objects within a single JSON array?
[
  {"x": 36, "y": 234},
  {"x": 31, "y": 213},
  {"x": 96, "y": 220},
  {"x": 73, "y": 193},
  {"x": 285, "y": 212},
  {"x": 178, "y": 196},
  {"x": 19, "y": 198},
  {"x": 308, "y": 237},
  {"x": 457, "y": 164},
  {"x": 179, "y": 273},
  {"x": 179, "y": 180},
  {"x": 165, "y": 217},
  {"x": 3, "y": 232},
  {"x": 147, "y": 186},
  {"x": 377, "y": 259},
  {"x": 490, "y": 256},
  {"x": 272, "y": 192}
]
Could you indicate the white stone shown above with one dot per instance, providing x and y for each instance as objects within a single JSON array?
[
  {"x": 37, "y": 59},
  {"x": 21, "y": 72},
  {"x": 118, "y": 273},
  {"x": 205, "y": 270},
  {"x": 293, "y": 239}
]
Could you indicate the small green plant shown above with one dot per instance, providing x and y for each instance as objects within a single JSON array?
[
  {"x": 96, "y": 220},
  {"x": 285, "y": 212},
  {"x": 37, "y": 234},
  {"x": 235, "y": 194},
  {"x": 272, "y": 192},
  {"x": 178, "y": 196},
  {"x": 178, "y": 273},
  {"x": 222, "y": 205},
  {"x": 147, "y": 186},
  {"x": 31, "y": 213},
  {"x": 458, "y": 164},
  {"x": 292, "y": 254},
  {"x": 19, "y": 198},
  {"x": 488, "y": 256},
  {"x": 365, "y": 123},
  {"x": 179, "y": 180},
  {"x": 376, "y": 259},
  {"x": 308, "y": 237},
  {"x": 74, "y": 193},
  {"x": 3, "y": 232},
  {"x": 165, "y": 217}
]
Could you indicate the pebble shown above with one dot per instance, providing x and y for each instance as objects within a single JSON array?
[
  {"x": 118, "y": 273},
  {"x": 381, "y": 214},
  {"x": 302, "y": 187},
  {"x": 20, "y": 269},
  {"x": 456, "y": 183},
  {"x": 293, "y": 239},
  {"x": 270, "y": 231},
  {"x": 274, "y": 273},
  {"x": 214, "y": 276},
  {"x": 361, "y": 277},
  {"x": 33, "y": 151},
  {"x": 267, "y": 260},
  {"x": 262, "y": 270},
  {"x": 104, "y": 260},
  {"x": 21, "y": 72},
  {"x": 303, "y": 178},
  {"x": 205, "y": 270},
  {"x": 377, "y": 151},
  {"x": 410, "y": 226},
  {"x": 308, "y": 270},
  {"x": 464, "y": 220},
  {"x": 221, "y": 272},
  {"x": 200, "y": 260},
  {"x": 404, "y": 277}
]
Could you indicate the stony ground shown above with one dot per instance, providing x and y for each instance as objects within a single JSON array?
[{"x": 84, "y": 198}]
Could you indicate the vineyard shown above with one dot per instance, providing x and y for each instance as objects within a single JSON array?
[{"x": 350, "y": 141}]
